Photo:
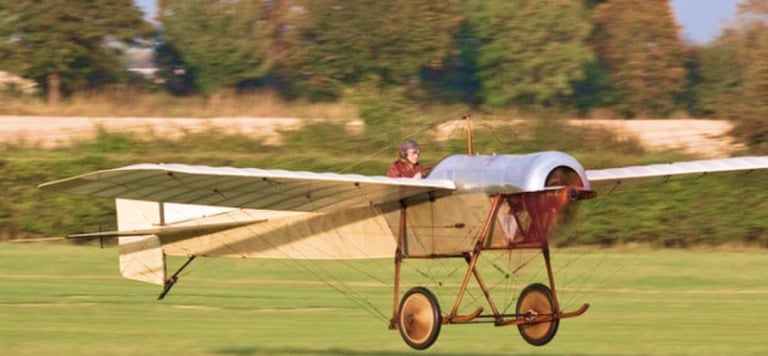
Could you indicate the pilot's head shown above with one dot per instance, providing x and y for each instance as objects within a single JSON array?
[{"x": 409, "y": 151}]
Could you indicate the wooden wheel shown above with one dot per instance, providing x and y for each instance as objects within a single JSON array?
[
  {"x": 536, "y": 300},
  {"x": 419, "y": 318}
]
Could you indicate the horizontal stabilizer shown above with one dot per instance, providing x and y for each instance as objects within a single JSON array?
[
  {"x": 38, "y": 239},
  {"x": 167, "y": 230}
]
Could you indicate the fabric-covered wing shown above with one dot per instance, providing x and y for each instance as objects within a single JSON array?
[
  {"x": 245, "y": 187},
  {"x": 601, "y": 178}
]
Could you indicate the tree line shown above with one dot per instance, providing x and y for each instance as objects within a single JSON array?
[{"x": 626, "y": 57}]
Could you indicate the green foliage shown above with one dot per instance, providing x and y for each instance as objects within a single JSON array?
[
  {"x": 590, "y": 57},
  {"x": 639, "y": 42},
  {"x": 734, "y": 75},
  {"x": 595, "y": 91},
  {"x": 387, "y": 57},
  {"x": 177, "y": 80},
  {"x": 79, "y": 41},
  {"x": 222, "y": 43},
  {"x": 709, "y": 210},
  {"x": 719, "y": 84},
  {"x": 752, "y": 104},
  {"x": 529, "y": 52},
  {"x": 456, "y": 80},
  {"x": 338, "y": 44},
  {"x": 29, "y": 212},
  {"x": 390, "y": 120},
  {"x": 682, "y": 212},
  {"x": 32, "y": 211}
]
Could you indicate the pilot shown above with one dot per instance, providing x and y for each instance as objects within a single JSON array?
[{"x": 407, "y": 165}]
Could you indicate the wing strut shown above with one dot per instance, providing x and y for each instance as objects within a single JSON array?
[{"x": 172, "y": 281}]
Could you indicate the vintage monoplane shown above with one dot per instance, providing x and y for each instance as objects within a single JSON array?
[{"x": 490, "y": 203}]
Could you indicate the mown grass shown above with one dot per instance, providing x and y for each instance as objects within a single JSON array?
[{"x": 61, "y": 299}]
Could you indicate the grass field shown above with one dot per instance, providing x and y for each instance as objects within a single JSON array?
[{"x": 63, "y": 299}]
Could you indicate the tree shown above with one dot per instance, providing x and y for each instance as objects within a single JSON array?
[
  {"x": 639, "y": 42},
  {"x": 66, "y": 44},
  {"x": 337, "y": 44},
  {"x": 753, "y": 121},
  {"x": 734, "y": 74},
  {"x": 221, "y": 42},
  {"x": 719, "y": 81},
  {"x": 529, "y": 51}
]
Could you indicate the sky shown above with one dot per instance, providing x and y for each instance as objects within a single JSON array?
[{"x": 702, "y": 20}]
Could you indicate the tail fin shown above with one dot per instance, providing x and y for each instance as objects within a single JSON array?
[{"x": 141, "y": 257}]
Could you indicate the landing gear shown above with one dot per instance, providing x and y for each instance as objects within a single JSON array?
[
  {"x": 417, "y": 314},
  {"x": 537, "y": 307},
  {"x": 419, "y": 318}
]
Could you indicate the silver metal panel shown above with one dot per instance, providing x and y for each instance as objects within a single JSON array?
[
  {"x": 612, "y": 176},
  {"x": 245, "y": 187},
  {"x": 504, "y": 173}
]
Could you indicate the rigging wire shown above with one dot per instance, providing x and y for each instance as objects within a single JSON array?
[
  {"x": 313, "y": 267},
  {"x": 420, "y": 130},
  {"x": 346, "y": 289},
  {"x": 578, "y": 282}
]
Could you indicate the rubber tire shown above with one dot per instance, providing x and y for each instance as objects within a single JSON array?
[
  {"x": 539, "y": 299},
  {"x": 419, "y": 318}
]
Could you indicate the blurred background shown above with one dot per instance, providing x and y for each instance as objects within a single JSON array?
[
  {"x": 330, "y": 85},
  {"x": 586, "y": 59}
]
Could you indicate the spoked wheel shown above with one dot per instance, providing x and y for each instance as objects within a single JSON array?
[
  {"x": 419, "y": 318},
  {"x": 537, "y": 300}
]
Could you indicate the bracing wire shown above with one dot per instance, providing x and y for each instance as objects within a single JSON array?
[
  {"x": 570, "y": 281},
  {"x": 420, "y": 129},
  {"x": 312, "y": 267},
  {"x": 315, "y": 269}
]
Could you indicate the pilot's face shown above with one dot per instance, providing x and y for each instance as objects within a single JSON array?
[{"x": 412, "y": 156}]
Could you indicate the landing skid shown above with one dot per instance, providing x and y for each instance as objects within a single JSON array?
[{"x": 170, "y": 282}]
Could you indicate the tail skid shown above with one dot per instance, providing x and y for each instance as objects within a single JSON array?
[{"x": 170, "y": 282}]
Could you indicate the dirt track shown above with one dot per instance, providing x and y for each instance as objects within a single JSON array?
[
  {"x": 705, "y": 138},
  {"x": 49, "y": 132}
]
